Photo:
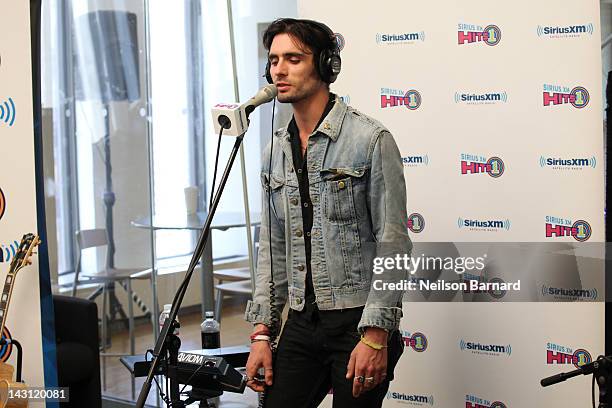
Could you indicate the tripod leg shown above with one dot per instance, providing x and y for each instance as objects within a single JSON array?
[
  {"x": 139, "y": 302},
  {"x": 115, "y": 305},
  {"x": 96, "y": 293}
]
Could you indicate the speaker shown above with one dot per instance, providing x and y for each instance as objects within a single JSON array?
[{"x": 107, "y": 61}]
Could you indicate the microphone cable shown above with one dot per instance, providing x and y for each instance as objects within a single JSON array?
[
  {"x": 212, "y": 189},
  {"x": 274, "y": 319}
]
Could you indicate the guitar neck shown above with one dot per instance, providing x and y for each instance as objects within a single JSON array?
[{"x": 9, "y": 282}]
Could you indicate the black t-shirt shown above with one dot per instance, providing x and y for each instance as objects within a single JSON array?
[{"x": 331, "y": 320}]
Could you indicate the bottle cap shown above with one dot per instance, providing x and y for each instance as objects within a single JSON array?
[
  {"x": 167, "y": 308},
  {"x": 210, "y": 315}
]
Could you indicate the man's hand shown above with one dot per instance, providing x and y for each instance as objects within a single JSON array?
[
  {"x": 259, "y": 357},
  {"x": 367, "y": 363}
]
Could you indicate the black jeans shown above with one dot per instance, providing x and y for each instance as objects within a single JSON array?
[{"x": 310, "y": 361}]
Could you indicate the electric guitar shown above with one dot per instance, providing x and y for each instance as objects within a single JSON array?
[{"x": 22, "y": 259}]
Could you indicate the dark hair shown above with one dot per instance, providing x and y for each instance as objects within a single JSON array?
[{"x": 309, "y": 33}]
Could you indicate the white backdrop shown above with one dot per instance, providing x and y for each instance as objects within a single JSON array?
[
  {"x": 17, "y": 182},
  {"x": 486, "y": 108}
]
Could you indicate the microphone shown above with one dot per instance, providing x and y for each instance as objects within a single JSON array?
[
  {"x": 234, "y": 117},
  {"x": 264, "y": 95}
]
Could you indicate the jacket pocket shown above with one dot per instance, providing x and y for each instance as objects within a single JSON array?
[{"x": 344, "y": 194}]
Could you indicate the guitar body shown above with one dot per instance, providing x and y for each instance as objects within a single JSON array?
[{"x": 6, "y": 384}]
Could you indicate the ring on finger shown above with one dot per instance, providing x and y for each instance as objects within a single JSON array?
[
  {"x": 360, "y": 379},
  {"x": 369, "y": 380}
]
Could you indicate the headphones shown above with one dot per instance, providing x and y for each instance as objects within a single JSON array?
[{"x": 328, "y": 63}]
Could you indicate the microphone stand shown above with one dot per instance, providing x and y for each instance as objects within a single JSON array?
[
  {"x": 166, "y": 349},
  {"x": 600, "y": 368}
]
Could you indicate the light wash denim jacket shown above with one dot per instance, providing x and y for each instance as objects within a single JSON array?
[{"x": 358, "y": 194}]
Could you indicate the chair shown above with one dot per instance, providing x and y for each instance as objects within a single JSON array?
[
  {"x": 235, "y": 280},
  {"x": 107, "y": 278}
]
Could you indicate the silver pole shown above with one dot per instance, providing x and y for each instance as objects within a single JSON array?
[
  {"x": 606, "y": 42},
  {"x": 245, "y": 192}
]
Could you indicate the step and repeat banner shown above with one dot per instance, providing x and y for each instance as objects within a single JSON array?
[
  {"x": 497, "y": 111},
  {"x": 18, "y": 198}
]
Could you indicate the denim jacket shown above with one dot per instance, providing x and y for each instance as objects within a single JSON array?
[{"x": 358, "y": 195}]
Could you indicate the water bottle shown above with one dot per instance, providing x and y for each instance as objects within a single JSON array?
[
  {"x": 164, "y": 315},
  {"x": 211, "y": 336}
]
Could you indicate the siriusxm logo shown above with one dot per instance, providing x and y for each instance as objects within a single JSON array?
[
  {"x": 7, "y": 251},
  {"x": 557, "y": 354},
  {"x": 413, "y": 161},
  {"x": 470, "y": 33},
  {"x": 488, "y": 349},
  {"x": 8, "y": 112},
  {"x": 414, "y": 399},
  {"x": 399, "y": 38},
  {"x": 345, "y": 98},
  {"x": 481, "y": 99},
  {"x": 475, "y": 164},
  {"x": 472, "y": 401},
  {"x": 390, "y": 98},
  {"x": 569, "y": 294},
  {"x": 484, "y": 225},
  {"x": 565, "y": 31},
  {"x": 416, "y": 223},
  {"x": 569, "y": 163},
  {"x": 417, "y": 341},
  {"x": 578, "y": 96},
  {"x": 557, "y": 227}
]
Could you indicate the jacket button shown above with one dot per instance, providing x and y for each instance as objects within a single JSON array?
[
  {"x": 298, "y": 300},
  {"x": 341, "y": 185},
  {"x": 300, "y": 267},
  {"x": 298, "y": 233},
  {"x": 294, "y": 201}
]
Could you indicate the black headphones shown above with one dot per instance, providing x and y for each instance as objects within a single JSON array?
[{"x": 328, "y": 63}]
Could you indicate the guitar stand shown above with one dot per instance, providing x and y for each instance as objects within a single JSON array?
[{"x": 4, "y": 341}]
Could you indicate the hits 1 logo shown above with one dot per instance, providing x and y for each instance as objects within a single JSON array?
[
  {"x": 392, "y": 97},
  {"x": 416, "y": 223},
  {"x": 563, "y": 355},
  {"x": 472, "y": 401},
  {"x": 418, "y": 341},
  {"x": 469, "y": 33},
  {"x": 578, "y": 97},
  {"x": 557, "y": 227},
  {"x": 471, "y": 164},
  {"x": 496, "y": 404}
]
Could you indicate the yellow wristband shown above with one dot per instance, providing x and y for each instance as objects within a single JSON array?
[{"x": 369, "y": 343}]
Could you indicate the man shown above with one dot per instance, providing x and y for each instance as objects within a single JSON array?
[{"x": 333, "y": 187}]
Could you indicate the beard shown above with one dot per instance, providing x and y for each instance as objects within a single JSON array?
[{"x": 298, "y": 94}]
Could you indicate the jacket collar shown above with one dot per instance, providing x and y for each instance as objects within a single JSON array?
[{"x": 330, "y": 126}]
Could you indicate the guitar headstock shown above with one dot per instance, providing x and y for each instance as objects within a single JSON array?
[{"x": 28, "y": 243}]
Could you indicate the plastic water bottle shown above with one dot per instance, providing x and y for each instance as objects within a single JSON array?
[
  {"x": 211, "y": 336},
  {"x": 164, "y": 315}
]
